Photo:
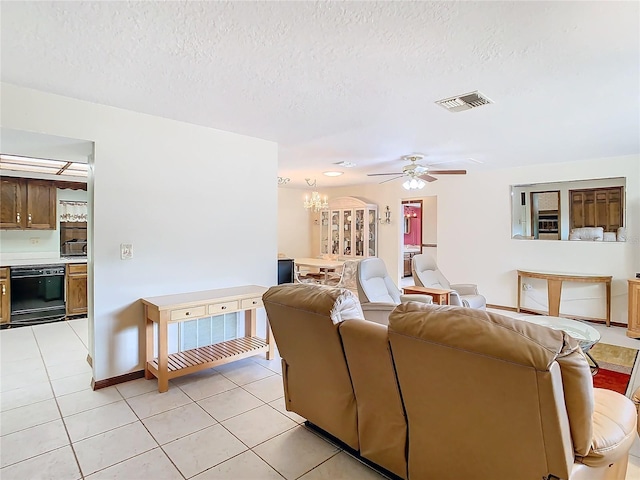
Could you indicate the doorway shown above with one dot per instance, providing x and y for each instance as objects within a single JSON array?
[
  {"x": 412, "y": 233},
  {"x": 78, "y": 155},
  {"x": 419, "y": 231}
]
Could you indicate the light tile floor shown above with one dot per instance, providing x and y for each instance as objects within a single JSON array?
[{"x": 224, "y": 423}]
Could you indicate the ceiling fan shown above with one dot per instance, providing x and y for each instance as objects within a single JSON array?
[{"x": 417, "y": 174}]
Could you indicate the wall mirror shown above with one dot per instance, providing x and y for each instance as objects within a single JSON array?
[{"x": 580, "y": 210}]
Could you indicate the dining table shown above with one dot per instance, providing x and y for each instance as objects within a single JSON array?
[{"x": 324, "y": 265}]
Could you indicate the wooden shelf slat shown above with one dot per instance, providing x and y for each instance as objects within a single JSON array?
[{"x": 213, "y": 355}]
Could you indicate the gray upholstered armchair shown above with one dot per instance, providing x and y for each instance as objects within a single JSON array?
[
  {"x": 426, "y": 274},
  {"x": 377, "y": 292}
]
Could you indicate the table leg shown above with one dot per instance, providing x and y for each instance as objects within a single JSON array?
[
  {"x": 519, "y": 290},
  {"x": 148, "y": 344},
  {"x": 271, "y": 342},
  {"x": 554, "y": 290},
  {"x": 595, "y": 368},
  {"x": 608, "y": 289},
  {"x": 163, "y": 361},
  {"x": 250, "y": 323}
]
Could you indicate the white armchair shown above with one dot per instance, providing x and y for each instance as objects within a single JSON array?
[
  {"x": 378, "y": 294},
  {"x": 426, "y": 274}
]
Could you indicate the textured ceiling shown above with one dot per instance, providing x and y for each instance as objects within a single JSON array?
[{"x": 356, "y": 81}]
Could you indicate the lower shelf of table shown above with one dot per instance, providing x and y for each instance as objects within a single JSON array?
[{"x": 189, "y": 361}]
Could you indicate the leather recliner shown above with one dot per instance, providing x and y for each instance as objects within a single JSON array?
[
  {"x": 426, "y": 274},
  {"x": 378, "y": 294},
  {"x": 446, "y": 392}
]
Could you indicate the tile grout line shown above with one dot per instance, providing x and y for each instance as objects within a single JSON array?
[{"x": 55, "y": 398}]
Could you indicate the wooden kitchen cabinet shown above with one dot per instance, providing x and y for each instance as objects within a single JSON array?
[
  {"x": 633, "y": 321},
  {"x": 5, "y": 295},
  {"x": 76, "y": 289},
  {"x": 597, "y": 207},
  {"x": 27, "y": 204}
]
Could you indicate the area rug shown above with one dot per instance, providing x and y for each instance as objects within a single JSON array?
[{"x": 616, "y": 365}]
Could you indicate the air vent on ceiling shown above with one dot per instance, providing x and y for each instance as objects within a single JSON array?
[{"x": 464, "y": 102}]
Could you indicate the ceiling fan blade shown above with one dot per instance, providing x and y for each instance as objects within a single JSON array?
[
  {"x": 377, "y": 174},
  {"x": 448, "y": 172},
  {"x": 427, "y": 177},
  {"x": 401, "y": 175}
]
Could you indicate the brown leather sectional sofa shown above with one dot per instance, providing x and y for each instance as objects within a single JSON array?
[{"x": 447, "y": 392}]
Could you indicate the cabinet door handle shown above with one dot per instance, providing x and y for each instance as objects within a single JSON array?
[
  {"x": 224, "y": 307},
  {"x": 18, "y": 217},
  {"x": 29, "y": 219},
  {"x": 4, "y": 289},
  {"x": 255, "y": 302},
  {"x": 187, "y": 314}
]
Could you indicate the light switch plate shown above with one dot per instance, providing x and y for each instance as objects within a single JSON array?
[{"x": 126, "y": 251}]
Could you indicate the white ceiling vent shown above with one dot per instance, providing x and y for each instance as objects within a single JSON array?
[{"x": 466, "y": 101}]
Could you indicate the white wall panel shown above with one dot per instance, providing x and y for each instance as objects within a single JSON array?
[{"x": 199, "y": 206}]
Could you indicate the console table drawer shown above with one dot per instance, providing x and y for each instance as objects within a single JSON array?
[
  {"x": 223, "y": 307},
  {"x": 252, "y": 303},
  {"x": 183, "y": 313}
]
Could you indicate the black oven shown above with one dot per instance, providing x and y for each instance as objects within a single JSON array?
[{"x": 37, "y": 294}]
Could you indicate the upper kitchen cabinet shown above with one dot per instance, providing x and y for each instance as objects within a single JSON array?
[{"x": 27, "y": 204}]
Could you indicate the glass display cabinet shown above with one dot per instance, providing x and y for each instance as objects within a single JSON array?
[{"x": 349, "y": 228}]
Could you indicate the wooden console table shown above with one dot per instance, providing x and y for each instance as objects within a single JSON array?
[
  {"x": 554, "y": 288},
  {"x": 191, "y": 306},
  {"x": 633, "y": 322},
  {"x": 440, "y": 296}
]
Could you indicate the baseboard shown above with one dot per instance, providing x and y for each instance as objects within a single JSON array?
[
  {"x": 502, "y": 307},
  {"x": 572, "y": 317},
  {"x": 109, "y": 382}
]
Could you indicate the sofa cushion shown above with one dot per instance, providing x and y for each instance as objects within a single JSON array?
[
  {"x": 587, "y": 233},
  {"x": 510, "y": 340},
  {"x": 614, "y": 428},
  {"x": 317, "y": 385}
]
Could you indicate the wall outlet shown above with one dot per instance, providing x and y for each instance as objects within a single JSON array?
[
  {"x": 126, "y": 251},
  {"x": 34, "y": 240}
]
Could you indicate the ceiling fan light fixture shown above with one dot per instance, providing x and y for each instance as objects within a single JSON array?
[
  {"x": 413, "y": 184},
  {"x": 332, "y": 173}
]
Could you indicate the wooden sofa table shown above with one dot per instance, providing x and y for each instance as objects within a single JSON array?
[
  {"x": 183, "y": 307},
  {"x": 440, "y": 296},
  {"x": 554, "y": 288}
]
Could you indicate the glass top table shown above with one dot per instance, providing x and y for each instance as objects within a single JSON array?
[{"x": 586, "y": 335}]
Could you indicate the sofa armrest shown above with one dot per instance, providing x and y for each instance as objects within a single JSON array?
[
  {"x": 614, "y": 428},
  {"x": 465, "y": 288},
  {"x": 414, "y": 297}
]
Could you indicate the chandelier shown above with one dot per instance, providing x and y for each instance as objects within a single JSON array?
[
  {"x": 413, "y": 184},
  {"x": 315, "y": 202}
]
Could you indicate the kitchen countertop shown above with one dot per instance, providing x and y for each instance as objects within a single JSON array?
[{"x": 49, "y": 260}]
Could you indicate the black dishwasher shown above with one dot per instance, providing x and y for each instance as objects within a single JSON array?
[{"x": 37, "y": 294}]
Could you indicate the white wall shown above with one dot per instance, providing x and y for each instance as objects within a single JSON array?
[
  {"x": 295, "y": 224},
  {"x": 474, "y": 234},
  {"x": 34, "y": 242},
  {"x": 175, "y": 191}
]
